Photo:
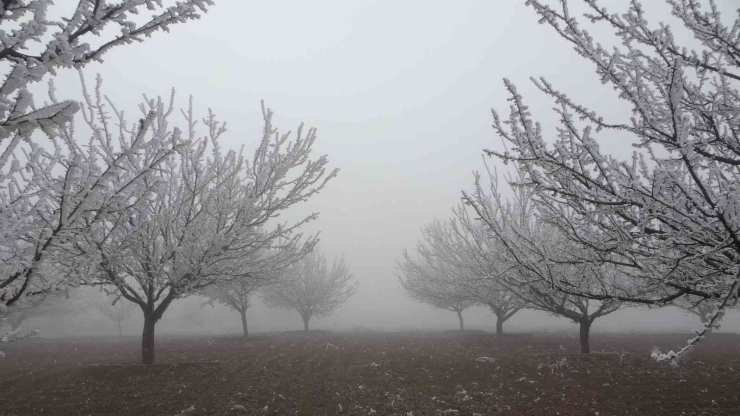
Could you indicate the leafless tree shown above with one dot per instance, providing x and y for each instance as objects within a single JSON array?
[
  {"x": 457, "y": 263},
  {"x": 311, "y": 287},
  {"x": 117, "y": 309},
  {"x": 667, "y": 218},
  {"x": 205, "y": 217},
  {"x": 434, "y": 285},
  {"x": 236, "y": 295}
]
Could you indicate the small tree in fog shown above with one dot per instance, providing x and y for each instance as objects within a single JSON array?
[
  {"x": 236, "y": 295},
  {"x": 311, "y": 287},
  {"x": 205, "y": 218},
  {"x": 487, "y": 269},
  {"x": 669, "y": 217},
  {"x": 432, "y": 284},
  {"x": 117, "y": 309},
  {"x": 457, "y": 265},
  {"x": 53, "y": 189}
]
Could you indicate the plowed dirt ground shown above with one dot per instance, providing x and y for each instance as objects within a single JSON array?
[{"x": 323, "y": 373}]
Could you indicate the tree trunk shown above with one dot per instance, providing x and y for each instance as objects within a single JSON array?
[
  {"x": 120, "y": 333},
  {"x": 152, "y": 314},
  {"x": 245, "y": 330},
  {"x": 460, "y": 318},
  {"x": 306, "y": 318},
  {"x": 147, "y": 339},
  {"x": 500, "y": 324},
  {"x": 585, "y": 329}
]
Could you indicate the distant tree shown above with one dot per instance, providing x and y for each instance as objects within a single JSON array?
[
  {"x": 456, "y": 266},
  {"x": 117, "y": 309},
  {"x": 487, "y": 268},
  {"x": 311, "y": 288},
  {"x": 433, "y": 285},
  {"x": 236, "y": 295},
  {"x": 668, "y": 218},
  {"x": 48, "y": 186}
]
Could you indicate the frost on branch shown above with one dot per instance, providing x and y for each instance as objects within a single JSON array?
[
  {"x": 668, "y": 220},
  {"x": 34, "y": 46}
]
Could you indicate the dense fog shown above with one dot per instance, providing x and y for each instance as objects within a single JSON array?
[
  {"x": 189, "y": 317},
  {"x": 400, "y": 95}
]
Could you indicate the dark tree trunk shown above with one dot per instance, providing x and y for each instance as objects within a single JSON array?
[
  {"x": 120, "y": 333},
  {"x": 500, "y": 324},
  {"x": 245, "y": 330},
  {"x": 147, "y": 339},
  {"x": 305, "y": 318},
  {"x": 585, "y": 329},
  {"x": 460, "y": 318},
  {"x": 152, "y": 314}
]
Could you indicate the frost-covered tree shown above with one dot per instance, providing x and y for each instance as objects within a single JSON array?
[
  {"x": 48, "y": 186},
  {"x": 668, "y": 219},
  {"x": 236, "y": 295},
  {"x": 428, "y": 282},
  {"x": 117, "y": 309},
  {"x": 478, "y": 253},
  {"x": 311, "y": 287},
  {"x": 458, "y": 259},
  {"x": 534, "y": 254},
  {"x": 209, "y": 215}
]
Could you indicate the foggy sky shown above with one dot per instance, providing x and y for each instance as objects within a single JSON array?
[{"x": 401, "y": 94}]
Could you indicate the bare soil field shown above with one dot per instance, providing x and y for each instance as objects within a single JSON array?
[{"x": 322, "y": 373}]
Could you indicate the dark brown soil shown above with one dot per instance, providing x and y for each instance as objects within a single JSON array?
[{"x": 321, "y": 373}]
